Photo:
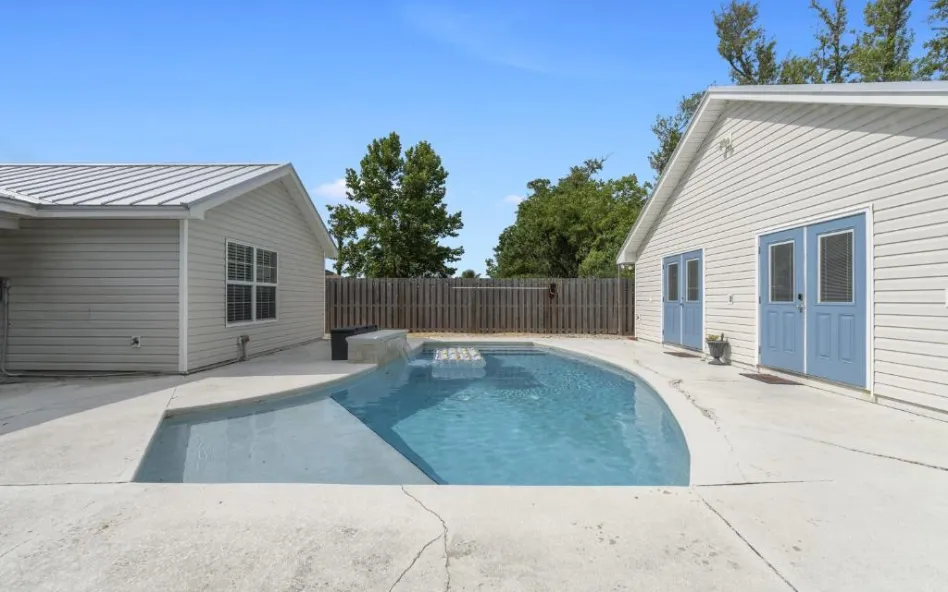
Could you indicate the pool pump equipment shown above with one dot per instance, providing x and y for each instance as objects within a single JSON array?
[{"x": 458, "y": 363}]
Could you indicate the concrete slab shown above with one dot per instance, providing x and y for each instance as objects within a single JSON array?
[
  {"x": 885, "y": 533},
  {"x": 590, "y": 538},
  {"x": 196, "y": 537}
]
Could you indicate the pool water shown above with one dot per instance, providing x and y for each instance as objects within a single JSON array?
[{"x": 534, "y": 418}]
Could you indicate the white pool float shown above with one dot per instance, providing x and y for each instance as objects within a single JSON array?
[{"x": 458, "y": 363}]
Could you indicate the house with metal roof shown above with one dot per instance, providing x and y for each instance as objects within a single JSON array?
[
  {"x": 809, "y": 226},
  {"x": 160, "y": 268}
]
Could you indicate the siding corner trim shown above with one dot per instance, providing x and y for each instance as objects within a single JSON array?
[{"x": 183, "y": 296}]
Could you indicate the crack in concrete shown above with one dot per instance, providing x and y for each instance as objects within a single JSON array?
[
  {"x": 749, "y": 545},
  {"x": 443, "y": 536},
  {"x": 876, "y": 454},
  {"x": 743, "y": 483},
  {"x": 675, "y": 383},
  {"x": 59, "y": 483}
]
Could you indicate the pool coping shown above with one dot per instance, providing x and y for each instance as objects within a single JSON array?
[{"x": 711, "y": 458}]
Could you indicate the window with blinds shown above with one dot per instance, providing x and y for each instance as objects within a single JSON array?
[
  {"x": 251, "y": 284},
  {"x": 836, "y": 267}
]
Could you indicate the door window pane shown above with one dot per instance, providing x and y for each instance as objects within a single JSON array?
[
  {"x": 692, "y": 278},
  {"x": 836, "y": 267},
  {"x": 781, "y": 272},
  {"x": 671, "y": 287}
]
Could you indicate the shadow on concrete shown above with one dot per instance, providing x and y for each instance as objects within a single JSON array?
[{"x": 29, "y": 401}]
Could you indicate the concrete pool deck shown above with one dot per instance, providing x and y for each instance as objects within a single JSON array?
[{"x": 794, "y": 489}]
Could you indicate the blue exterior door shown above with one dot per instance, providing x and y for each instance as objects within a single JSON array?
[
  {"x": 671, "y": 299},
  {"x": 682, "y": 300},
  {"x": 836, "y": 300},
  {"x": 781, "y": 298},
  {"x": 692, "y": 327}
]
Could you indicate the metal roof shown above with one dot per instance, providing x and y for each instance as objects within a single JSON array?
[
  {"x": 144, "y": 191},
  {"x": 122, "y": 184},
  {"x": 889, "y": 94}
]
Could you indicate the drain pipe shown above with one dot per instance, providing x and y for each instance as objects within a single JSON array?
[
  {"x": 242, "y": 348},
  {"x": 5, "y": 343}
]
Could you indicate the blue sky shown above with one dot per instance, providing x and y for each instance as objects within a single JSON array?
[{"x": 505, "y": 91}]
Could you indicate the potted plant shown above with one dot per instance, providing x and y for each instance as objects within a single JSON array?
[{"x": 717, "y": 346}]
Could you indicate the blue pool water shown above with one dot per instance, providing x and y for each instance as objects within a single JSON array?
[{"x": 535, "y": 418}]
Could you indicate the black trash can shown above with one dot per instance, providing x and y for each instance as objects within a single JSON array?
[{"x": 340, "y": 348}]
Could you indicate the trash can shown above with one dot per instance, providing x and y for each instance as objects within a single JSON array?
[{"x": 340, "y": 347}]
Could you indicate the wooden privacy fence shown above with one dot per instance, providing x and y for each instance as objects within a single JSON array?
[{"x": 577, "y": 305}]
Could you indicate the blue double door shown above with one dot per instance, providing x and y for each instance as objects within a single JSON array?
[
  {"x": 683, "y": 300},
  {"x": 813, "y": 304}
]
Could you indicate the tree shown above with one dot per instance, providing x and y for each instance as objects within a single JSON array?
[
  {"x": 881, "y": 53},
  {"x": 745, "y": 45},
  {"x": 935, "y": 62},
  {"x": 799, "y": 70},
  {"x": 832, "y": 56},
  {"x": 405, "y": 218},
  {"x": 470, "y": 274},
  {"x": 571, "y": 228},
  {"x": 670, "y": 129},
  {"x": 343, "y": 226}
]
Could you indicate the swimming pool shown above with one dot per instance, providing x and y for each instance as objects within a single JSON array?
[{"x": 535, "y": 417}]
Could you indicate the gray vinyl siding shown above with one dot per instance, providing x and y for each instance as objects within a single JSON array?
[
  {"x": 794, "y": 161},
  {"x": 83, "y": 288},
  {"x": 267, "y": 218}
]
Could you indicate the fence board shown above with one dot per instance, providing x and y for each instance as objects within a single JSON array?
[{"x": 581, "y": 305}]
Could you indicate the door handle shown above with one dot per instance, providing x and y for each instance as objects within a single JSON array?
[{"x": 800, "y": 305}]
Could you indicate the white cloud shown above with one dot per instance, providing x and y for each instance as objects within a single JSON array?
[
  {"x": 514, "y": 199},
  {"x": 335, "y": 191}
]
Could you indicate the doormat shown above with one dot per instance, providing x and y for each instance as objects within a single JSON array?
[
  {"x": 683, "y": 355},
  {"x": 770, "y": 379}
]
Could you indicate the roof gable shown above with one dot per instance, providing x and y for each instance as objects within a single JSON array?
[{"x": 890, "y": 94}]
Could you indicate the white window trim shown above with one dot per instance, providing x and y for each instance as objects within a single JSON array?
[
  {"x": 819, "y": 266},
  {"x": 253, "y": 284},
  {"x": 770, "y": 272},
  {"x": 697, "y": 262},
  {"x": 665, "y": 281}
]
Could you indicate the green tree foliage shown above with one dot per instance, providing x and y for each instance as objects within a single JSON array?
[
  {"x": 799, "y": 70},
  {"x": 745, "y": 45},
  {"x": 670, "y": 129},
  {"x": 470, "y": 274},
  {"x": 833, "y": 55},
  {"x": 881, "y": 52},
  {"x": 398, "y": 233},
  {"x": 935, "y": 62},
  {"x": 343, "y": 226},
  {"x": 571, "y": 228}
]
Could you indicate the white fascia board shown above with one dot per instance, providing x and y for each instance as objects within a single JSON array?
[{"x": 131, "y": 212}]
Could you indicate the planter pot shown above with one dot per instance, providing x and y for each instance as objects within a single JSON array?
[{"x": 717, "y": 350}]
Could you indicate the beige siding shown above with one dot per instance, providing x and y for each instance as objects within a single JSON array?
[
  {"x": 266, "y": 218},
  {"x": 83, "y": 288},
  {"x": 791, "y": 162}
]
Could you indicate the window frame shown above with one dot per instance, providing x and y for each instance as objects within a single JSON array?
[
  {"x": 253, "y": 283},
  {"x": 819, "y": 267},
  {"x": 678, "y": 282},
  {"x": 770, "y": 271},
  {"x": 688, "y": 286}
]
